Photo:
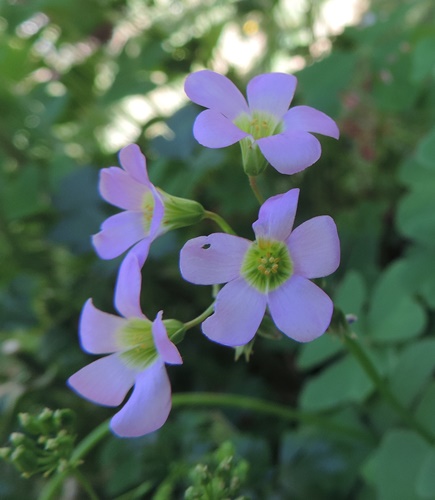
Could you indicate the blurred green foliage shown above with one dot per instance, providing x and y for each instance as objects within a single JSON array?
[{"x": 80, "y": 79}]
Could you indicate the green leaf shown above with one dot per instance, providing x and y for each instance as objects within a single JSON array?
[
  {"x": 426, "y": 409},
  {"x": 426, "y": 477},
  {"x": 79, "y": 204},
  {"x": 394, "y": 314},
  {"x": 343, "y": 382},
  {"x": 351, "y": 294},
  {"x": 423, "y": 62},
  {"x": 323, "y": 82},
  {"x": 394, "y": 468},
  {"x": 415, "y": 214},
  {"x": 318, "y": 351},
  {"x": 426, "y": 149},
  {"x": 416, "y": 359},
  {"x": 394, "y": 90},
  {"x": 21, "y": 196},
  {"x": 419, "y": 273}
]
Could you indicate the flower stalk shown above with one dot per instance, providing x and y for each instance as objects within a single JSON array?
[
  {"x": 255, "y": 190},
  {"x": 220, "y": 221}
]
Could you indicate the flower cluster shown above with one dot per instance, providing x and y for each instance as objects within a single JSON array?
[{"x": 271, "y": 275}]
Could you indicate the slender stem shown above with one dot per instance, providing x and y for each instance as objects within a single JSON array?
[
  {"x": 265, "y": 407},
  {"x": 91, "y": 440},
  {"x": 221, "y": 222},
  {"x": 256, "y": 191},
  {"x": 199, "y": 319},
  {"x": 50, "y": 490},
  {"x": 356, "y": 349},
  {"x": 86, "y": 485},
  {"x": 199, "y": 399}
]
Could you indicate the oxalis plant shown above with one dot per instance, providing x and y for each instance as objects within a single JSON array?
[{"x": 269, "y": 275}]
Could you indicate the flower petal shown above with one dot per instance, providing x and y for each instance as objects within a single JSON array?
[
  {"x": 213, "y": 130},
  {"x": 217, "y": 92},
  {"x": 309, "y": 119},
  {"x": 166, "y": 349},
  {"x": 121, "y": 190},
  {"x": 157, "y": 215},
  {"x": 118, "y": 233},
  {"x": 134, "y": 163},
  {"x": 276, "y": 216},
  {"x": 315, "y": 248},
  {"x": 128, "y": 286},
  {"x": 291, "y": 151},
  {"x": 239, "y": 309},
  {"x": 98, "y": 330},
  {"x": 208, "y": 260},
  {"x": 148, "y": 406},
  {"x": 300, "y": 309},
  {"x": 272, "y": 93},
  {"x": 105, "y": 381}
]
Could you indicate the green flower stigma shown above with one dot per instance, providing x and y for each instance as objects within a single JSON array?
[
  {"x": 267, "y": 265},
  {"x": 136, "y": 341},
  {"x": 259, "y": 124}
]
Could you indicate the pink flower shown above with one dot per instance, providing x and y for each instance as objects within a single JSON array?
[
  {"x": 264, "y": 125},
  {"x": 272, "y": 272},
  {"x": 148, "y": 211},
  {"x": 138, "y": 350},
  {"x": 129, "y": 188}
]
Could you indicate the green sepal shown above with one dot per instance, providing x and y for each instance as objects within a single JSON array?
[
  {"x": 258, "y": 125},
  {"x": 253, "y": 160},
  {"x": 180, "y": 212},
  {"x": 176, "y": 330}
]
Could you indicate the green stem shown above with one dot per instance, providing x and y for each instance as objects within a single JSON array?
[
  {"x": 199, "y": 319},
  {"x": 84, "y": 447},
  {"x": 254, "y": 187},
  {"x": 265, "y": 407},
  {"x": 91, "y": 440},
  {"x": 356, "y": 349},
  {"x": 204, "y": 399},
  {"x": 222, "y": 223},
  {"x": 86, "y": 485}
]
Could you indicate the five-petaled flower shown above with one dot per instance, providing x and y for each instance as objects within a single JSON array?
[
  {"x": 148, "y": 211},
  {"x": 264, "y": 125},
  {"x": 274, "y": 271},
  {"x": 138, "y": 350}
]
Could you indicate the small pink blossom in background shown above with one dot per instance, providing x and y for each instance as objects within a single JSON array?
[
  {"x": 283, "y": 135},
  {"x": 108, "y": 380},
  {"x": 273, "y": 272}
]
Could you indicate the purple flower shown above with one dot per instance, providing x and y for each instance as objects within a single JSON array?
[
  {"x": 138, "y": 350},
  {"x": 264, "y": 125},
  {"x": 129, "y": 188},
  {"x": 148, "y": 211},
  {"x": 274, "y": 272}
]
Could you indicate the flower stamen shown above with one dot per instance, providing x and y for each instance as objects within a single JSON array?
[{"x": 267, "y": 265}]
